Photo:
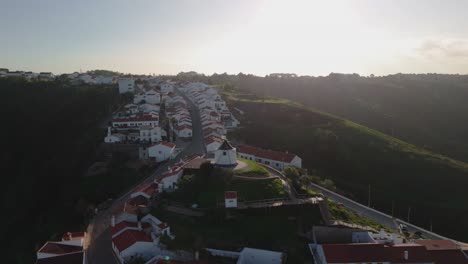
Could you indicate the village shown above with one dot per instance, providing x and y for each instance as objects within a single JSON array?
[{"x": 182, "y": 129}]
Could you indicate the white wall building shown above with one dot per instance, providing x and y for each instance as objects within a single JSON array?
[
  {"x": 150, "y": 134},
  {"x": 161, "y": 151},
  {"x": 276, "y": 159},
  {"x": 114, "y": 138},
  {"x": 225, "y": 155},
  {"x": 126, "y": 85}
]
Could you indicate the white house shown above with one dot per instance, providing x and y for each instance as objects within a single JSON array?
[
  {"x": 150, "y": 134},
  {"x": 260, "y": 256},
  {"x": 114, "y": 138},
  {"x": 167, "y": 88},
  {"x": 150, "y": 97},
  {"x": 161, "y": 151},
  {"x": 276, "y": 159},
  {"x": 136, "y": 121},
  {"x": 69, "y": 250},
  {"x": 104, "y": 79},
  {"x": 184, "y": 131},
  {"x": 230, "y": 199},
  {"x": 212, "y": 143},
  {"x": 149, "y": 107},
  {"x": 169, "y": 179},
  {"x": 225, "y": 155},
  {"x": 131, "y": 243},
  {"x": 86, "y": 78},
  {"x": 126, "y": 85}
]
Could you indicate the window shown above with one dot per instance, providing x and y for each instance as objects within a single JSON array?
[
  {"x": 159, "y": 152},
  {"x": 224, "y": 153},
  {"x": 277, "y": 164}
]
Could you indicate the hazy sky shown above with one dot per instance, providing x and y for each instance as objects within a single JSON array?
[{"x": 305, "y": 37}]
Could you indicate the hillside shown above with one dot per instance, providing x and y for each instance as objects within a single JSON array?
[
  {"x": 424, "y": 109},
  {"x": 51, "y": 130},
  {"x": 355, "y": 156}
]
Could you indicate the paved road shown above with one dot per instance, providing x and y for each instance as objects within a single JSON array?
[
  {"x": 197, "y": 146},
  {"x": 375, "y": 215},
  {"x": 98, "y": 244},
  {"x": 286, "y": 184}
]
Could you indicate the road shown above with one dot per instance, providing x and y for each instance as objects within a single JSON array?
[
  {"x": 98, "y": 244},
  {"x": 375, "y": 215},
  {"x": 286, "y": 184}
]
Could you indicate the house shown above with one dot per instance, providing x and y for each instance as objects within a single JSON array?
[
  {"x": 150, "y": 97},
  {"x": 45, "y": 76},
  {"x": 372, "y": 253},
  {"x": 161, "y": 151},
  {"x": 230, "y": 199},
  {"x": 139, "y": 236},
  {"x": 149, "y": 107},
  {"x": 169, "y": 179},
  {"x": 250, "y": 256},
  {"x": 225, "y": 155},
  {"x": 150, "y": 134},
  {"x": 147, "y": 191},
  {"x": 276, "y": 159},
  {"x": 184, "y": 131},
  {"x": 103, "y": 79},
  {"x": 167, "y": 88},
  {"x": 444, "y": 251},
  {"x": 86, "y": 78},
  {"x": 114, "y": 138},
  {"x": 126, "y": 85},
  {"x": 135, "y": 121},
  {"x": 69, "y": 250},
  {"x": 212, "y": 143}
]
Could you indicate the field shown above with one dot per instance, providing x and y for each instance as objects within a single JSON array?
[{"x": 252, "y": 169}]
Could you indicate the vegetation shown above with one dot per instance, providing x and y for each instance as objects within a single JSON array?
[
  {"x": 252, "y": 169},
  {"x": 423, "y": 109},
  {"x": 104, "y": 73},
  {"x": 51, "y": 136},
  {"x": 207, "y": 187},
  {"x": 274, "y": 228},
  {"x": 339, "y": 212},
  {"x": 355, "y": 157}
]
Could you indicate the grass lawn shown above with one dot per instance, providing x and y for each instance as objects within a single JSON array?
[
  {"x": 249, "y": 190},
  {"x": 273, "y": 229},
  {"x": 252, "y": 169}
]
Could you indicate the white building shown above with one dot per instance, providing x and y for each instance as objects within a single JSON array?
[
  {"x": 103, "y": 79},
  {"x": 126, "y": 85},
  {"x": 150, "y": 97},
  {"x": 114, "y": 138},
  {"x": 230, "y": 199},
  {"x": 169, "y": 179},
  {"x": 150, "y": 134},
  {"x": 184, "y": 131},
  {"x": 161, "y": 151},
  {"x": 69, "y": 250},
  {"x": 167, "y": 88},
  {"x": 276, "y": 159},
  {"x": 225, "y": 155},
  {"x": 134, "y": 122}
]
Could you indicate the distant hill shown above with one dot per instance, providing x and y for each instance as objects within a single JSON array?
[
  {"x": 355, "y": 156},
  {"x": 104, "y": 73},
  {"x": 428, "y": 110}
]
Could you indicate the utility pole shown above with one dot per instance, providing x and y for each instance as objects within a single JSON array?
[
  {"x": 409, "y": 212},
  {"x": 368, "y": 199}
]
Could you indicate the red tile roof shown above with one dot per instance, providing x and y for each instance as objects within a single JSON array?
[
  {"x": 57, "y": 248},
  {"x": 438, "y": 244},
  {"x": 163, "y": 225},
  {"x": 138, "y": 200},
  {"x": 266, "y": 153},
  {"x": 129, "y": 237},
  {"x": 230, "y": 195},
  {"x": 148, "y": 189},
  {"x": 184, "y": 127},
  {"x": 373, "y": 252},
  {"x": 212, "y": 139}
]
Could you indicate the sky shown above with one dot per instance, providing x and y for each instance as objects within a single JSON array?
[{"x": 305, "y": 37}]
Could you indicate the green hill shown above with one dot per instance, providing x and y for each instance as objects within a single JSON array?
[{"x": 355, "y": 156}]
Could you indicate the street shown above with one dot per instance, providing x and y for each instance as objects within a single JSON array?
[{"x": 98, "y": 244}]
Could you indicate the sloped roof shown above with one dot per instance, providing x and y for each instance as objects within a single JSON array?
[
  {"x": 58, "y": 248},
  {"x": 129, "y": 237},
  {"x": 225, "y": 145},
  {"x": 266, "y": 153}
]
